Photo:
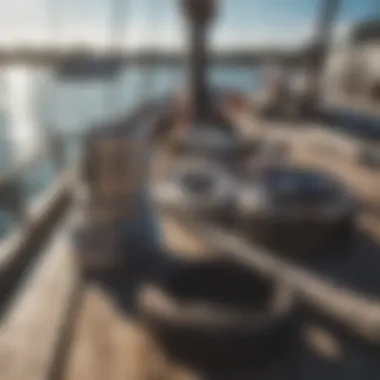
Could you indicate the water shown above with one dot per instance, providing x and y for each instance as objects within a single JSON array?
[
  {"x": 70, "y": 106},
  {"x": 34, "y": 100}
]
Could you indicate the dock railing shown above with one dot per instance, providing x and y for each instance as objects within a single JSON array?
[{"x": 34, "y": 194}]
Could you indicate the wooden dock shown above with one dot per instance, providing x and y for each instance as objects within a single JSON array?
[{"x": 109, "y": 343}]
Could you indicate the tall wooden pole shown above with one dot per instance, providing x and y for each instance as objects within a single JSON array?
[
  {"x": 324, "y": 35},
  {"x": 199, "y": 14}
]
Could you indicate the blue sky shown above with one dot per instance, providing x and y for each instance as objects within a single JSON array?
[{"x": 158, "y": 22}]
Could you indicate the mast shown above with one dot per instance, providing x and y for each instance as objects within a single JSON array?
[
  {"x": 199, "y": 14},
  {"x": 326, "y": 21},
  {"x": 324, "y": 32}
]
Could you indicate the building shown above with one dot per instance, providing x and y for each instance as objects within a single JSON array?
[{"x": 354, "y": 65}]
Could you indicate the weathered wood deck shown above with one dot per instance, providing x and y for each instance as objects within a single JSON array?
[
  {"x": 108, "y": 342},
  {"x": 43, "y": 337}
]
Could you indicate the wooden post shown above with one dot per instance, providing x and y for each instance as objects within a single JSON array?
[{"x": 199, "y": 14}]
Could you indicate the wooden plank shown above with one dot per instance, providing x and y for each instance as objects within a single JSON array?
[
  {"x": 110, "y": 344},
  {"x": 105, "y": 345},
  {"x": 32, "y": 329}
]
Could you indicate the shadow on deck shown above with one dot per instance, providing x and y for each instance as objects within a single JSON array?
[{"x": 328, "y": 353}]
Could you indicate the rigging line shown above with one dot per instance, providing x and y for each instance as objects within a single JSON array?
[
  {"x": 149, "y": 68},
  {"x": 171, "y": 40},
  {"x": 118, "y": 21},
  {"x": 52, "y": 30},
  {"x": 47, "y": 127},
  {"x": 53, "y": 21}
]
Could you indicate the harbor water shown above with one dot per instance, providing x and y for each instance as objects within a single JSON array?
[{"x": 34, "y": 102}]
